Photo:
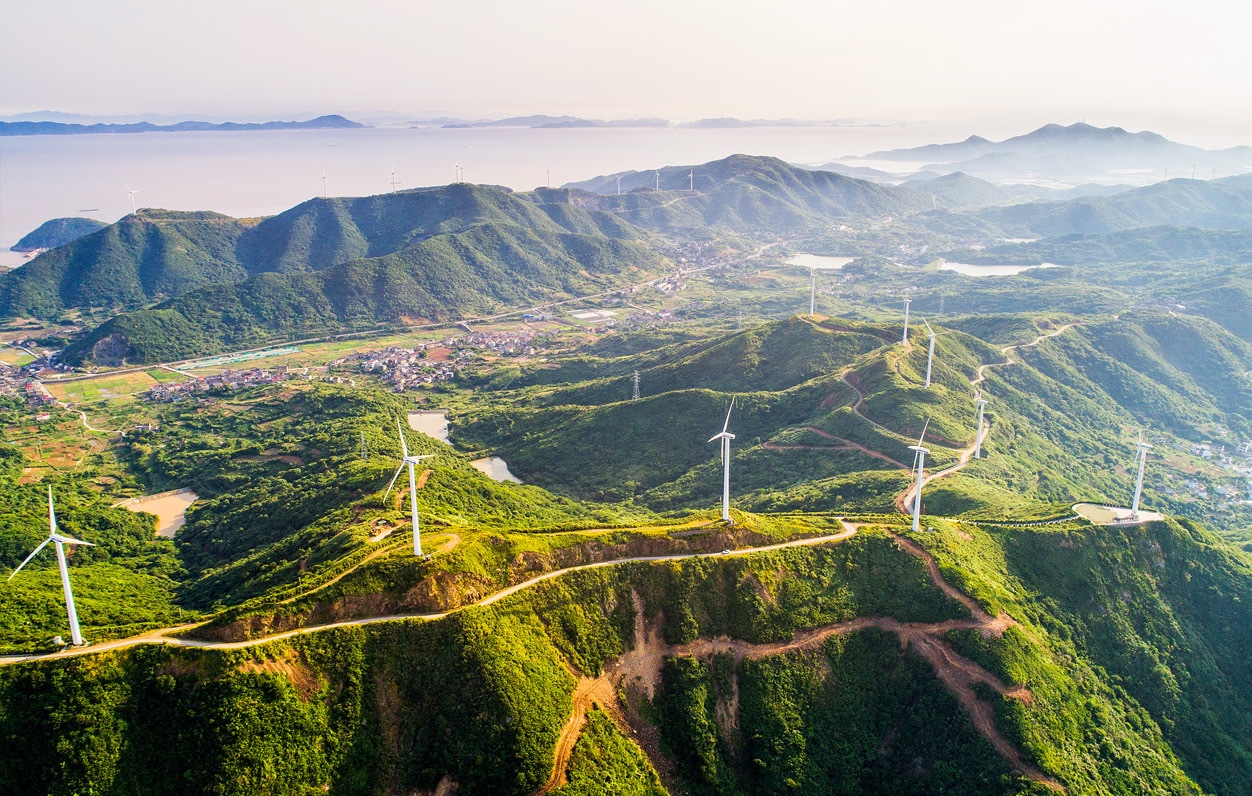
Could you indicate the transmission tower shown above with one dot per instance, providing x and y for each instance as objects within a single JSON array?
[{"x": 635, "y": 395}]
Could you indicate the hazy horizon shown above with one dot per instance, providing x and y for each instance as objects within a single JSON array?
[{"x": 966, "y": 67}]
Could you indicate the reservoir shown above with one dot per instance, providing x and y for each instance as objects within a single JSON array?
[
  {"x": 431, "y": 423},
  {"x": 820, "y": 262},
  {"x": 494, "y": 468},
  {"x": 969, "y": 269}
]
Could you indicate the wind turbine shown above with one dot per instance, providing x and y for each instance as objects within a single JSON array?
[
  {"x": 930, "y": 358},
  {"x": 812, "y": 289},
  {"x": 919, "y": 461},
  {"x": 1141, "y": 453},
  {"x": 982, "y": 404},
  {"x": 619, "y": 185},
  {"x": 132, "y": 193},
  {"x": 691, "y": 180},
  {"x": 60, "y": 541},
  {"x": 726, "y": 437},
  {"x": 658, "y": 180},
  {"x": 907, "y": 302},
  {"x": 394, "y": 181},
  {"x": 410, "y": 461},
  {"x": 325, "y": 191}
]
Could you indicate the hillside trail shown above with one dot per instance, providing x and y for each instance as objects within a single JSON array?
[
  {"x": 397, "y": 544},
  {"x": 165, "y": 635},
  {"x": 965, "y": 455},
  {"x": 640, "y": 668}
]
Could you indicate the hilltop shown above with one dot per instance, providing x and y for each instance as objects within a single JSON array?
[
  {"x": 56, "y": 232},
  {"x": 742, "y": 193}
]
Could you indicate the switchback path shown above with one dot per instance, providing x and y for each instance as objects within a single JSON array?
[
  {"x": 641, "y": 667},
  {"x": 965, "y": 455}
]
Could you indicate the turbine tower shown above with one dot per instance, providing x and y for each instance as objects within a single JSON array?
[
  {"x": 905, "y": 340},
  {"x": 726, "y": 437},
  {"x": 1141, "y": 453},
  {"x": 410, "y": 461},
  {"x": 132, "y": 193},
  {"x": 930, "y": 358},
  {"x": 658, "y": 180},
  {"x": 619, "y": 185},
  {"x": 982, "y": 405},
  {"x": 325, "y": 190},
  {"x": 691, "y": 180},
  {"x": 919, "y": 461},
  {"x": 812, "y": 289},
  {"x": 60, "y": 541}
]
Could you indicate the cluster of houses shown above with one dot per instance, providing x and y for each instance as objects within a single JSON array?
[
  {"x": 168, "y": 392},
  {"x": 443, "y": 360}
]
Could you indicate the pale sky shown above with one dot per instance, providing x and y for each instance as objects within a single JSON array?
[{"x": 1146, "y": 63}]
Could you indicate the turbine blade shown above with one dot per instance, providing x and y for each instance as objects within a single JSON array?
[
  {"x": 923, "y": 436},
  {"x": 63, "y": 539},
  {"x": 393, "y": 481},
  {"x": 29, "y": 557},
  {"x": 404, "y": 446},
  {"x": 726, "y": 427},
  {"x": 52, "y": 514}
]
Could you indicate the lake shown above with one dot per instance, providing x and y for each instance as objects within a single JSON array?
[
  {"x": 495, "y": 468},
  {"x": 261, "y": 173},
  {"x": 820, "y": 262},
  {"x": 969, "y": 269},
  {"x": 431, "y": 423}
]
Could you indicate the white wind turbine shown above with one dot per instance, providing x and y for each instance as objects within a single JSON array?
[
  {"x": 725, "y": 436},
  {"x": 410, "y": 461},
  {"x": 619, "y": 185},
  {"x": 930, "y": 358},
  {"x": 982, "y": 405},
  {"x": 691, "y": 180},
  {"x": 919, "y": 463},
  {"x": 658, "y": 180},
  {"x": 905, "y": 340},
  {"x": 132, "y": 193},
  {"x": 812, "y": 289},
  {"x": 60, "y": 541},
  {"x": 1141, "y": 453},
  {"x": 394, "y": 181}
]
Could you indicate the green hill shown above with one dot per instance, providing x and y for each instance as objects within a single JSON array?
[
  {"x": 159, "y": 254},
  {"x": 511, "y": 253},
  {"x": 743, "y": 193},
  {"x": 56, "y": 232},
  {"x": 1090, "y": 689},
  {"x": 1212, "y": 204},
  {"x": 1063, "y": 418}
]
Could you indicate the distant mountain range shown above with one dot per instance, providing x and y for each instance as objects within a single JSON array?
[
  {"x": 1077, "y": 150},
  {"x": 332, "y": 122},
  {"x": 1211, "y": 204}
]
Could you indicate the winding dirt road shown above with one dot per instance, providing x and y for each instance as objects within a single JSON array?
[
  {"x": 641, "y": 667},
  {"x": 163, "y": 636}
]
